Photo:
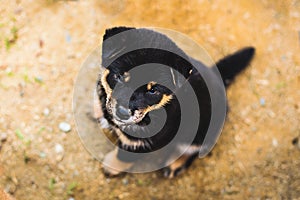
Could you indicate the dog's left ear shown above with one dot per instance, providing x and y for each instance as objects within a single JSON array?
[
  {"x": 111, "y": 48},
  {"x": 113, "y": 31}
]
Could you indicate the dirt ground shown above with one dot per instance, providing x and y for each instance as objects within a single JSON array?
[{"x": 43, "y": 44}]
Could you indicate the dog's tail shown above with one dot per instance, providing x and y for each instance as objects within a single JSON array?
[{"x": 233, "y": 64}]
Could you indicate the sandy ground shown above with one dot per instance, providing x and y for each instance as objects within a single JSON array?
[{"x": 43, "y": 44}]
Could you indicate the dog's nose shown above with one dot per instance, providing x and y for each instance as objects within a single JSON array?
[{"x": 123, "y": 113}]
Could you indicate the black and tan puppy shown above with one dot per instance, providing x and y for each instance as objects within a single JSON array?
[{"x": 133, "y": 103}]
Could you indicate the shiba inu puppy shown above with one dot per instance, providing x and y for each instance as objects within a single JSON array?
[{"x": 133, "y": 100}]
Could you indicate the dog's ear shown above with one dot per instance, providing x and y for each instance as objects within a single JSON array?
[{"x": 113, "y": 31}]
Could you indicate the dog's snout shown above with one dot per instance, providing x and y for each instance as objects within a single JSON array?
[{"x": 122, "y": 112}]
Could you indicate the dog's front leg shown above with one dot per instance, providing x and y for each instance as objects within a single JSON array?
[
  {"x": 115, "y": 163},
  {"x": 181, "y": 163}
]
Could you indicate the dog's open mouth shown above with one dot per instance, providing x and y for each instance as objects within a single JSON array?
[
  {"x": 121, "y": 122},
  {"x": 139, "y": 118},
  {"x": 124, "y": 117}
]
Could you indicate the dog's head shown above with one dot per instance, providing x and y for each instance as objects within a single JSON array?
[
  {"x": 139, "y": 76},
  {"x": 129, "y": 104}
]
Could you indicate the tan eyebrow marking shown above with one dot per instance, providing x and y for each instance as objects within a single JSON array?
[
  {"x": 150, "y": 85},
  {"x": 164, "y": 100},
  {"x": 106, "y": 87}
]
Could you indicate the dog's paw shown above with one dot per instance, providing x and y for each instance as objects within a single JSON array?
[
  {"x": 179, "y": 165},
  {"x": 110, "y": 172},
  {"x": 113, "y": 166},
  {"x": 176, "y": 168},
  {"x": 169, "y": 172}
]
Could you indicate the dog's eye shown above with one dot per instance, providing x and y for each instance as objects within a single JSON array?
[{"x": 152, "y": 91}]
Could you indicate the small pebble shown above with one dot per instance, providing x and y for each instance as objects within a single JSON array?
[
  {"x": 125, "y": 181},
  {"x": 283, "y": 57},
  {"x": 253, "y": 128},
  {"x": 237, "y": 138},
  {"x": 274, "y": 142},
  {"x": 36, "y": 117},
  {"x": 75, "y": 173},
  {"x": 262, "y": 101},
  {"x": 68, "y": 37},
  {"x": 123, "y": 195},
  {"x": 42, "y": 155},
  {"x": 263, "y": 82},
  {"x": 46, "y": 111},
  {"x": 59, "y": 148},
  {"x": 65, "y": 127},
  {"x": 271, "y": 114}
]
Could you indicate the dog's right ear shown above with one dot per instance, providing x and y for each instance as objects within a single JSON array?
[{"x": 113, "y": 31}]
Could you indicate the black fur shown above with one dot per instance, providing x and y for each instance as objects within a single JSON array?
[
  {"x": 118, "y": 64},
  {"x": 113, "y": 31}
]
